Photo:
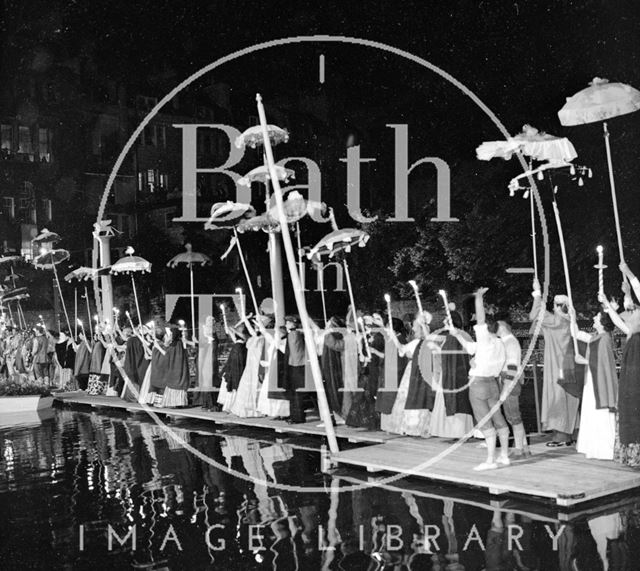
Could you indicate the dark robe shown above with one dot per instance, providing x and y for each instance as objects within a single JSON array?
[
  {"x": 97, "y": 357},
  {"x": 170, "y": 370},
  {"x": 420, "y": 392},
  {"x": 602, "y": 364},
  {"x": 331, "y": 366},
  {"x": 629, "y": 393},
  {"x": 455, "y": 373},
  {"x": 234, "y": 366},
  {"x": 65, "y": 354},
  {"x": 135, "y": 365},
  {"x": 385, "y": 399},
  {"x": 83, "y": 358},
  {"x": 291, "y": 377}
]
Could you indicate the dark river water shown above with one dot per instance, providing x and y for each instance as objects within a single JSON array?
[{"x": 91, "y": 490}]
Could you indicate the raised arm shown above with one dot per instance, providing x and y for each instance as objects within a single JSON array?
[
  {"x": 537, "y": 301},
  {"x": 633, "y": 280},
  {"x": 613, "y": 314},
  {"x": 480, "y": 313}
]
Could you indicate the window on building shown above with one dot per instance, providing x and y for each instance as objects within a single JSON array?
[
  {"x": 47, "y": 209},
  {"x": 44, "y": 145},
  {"x": 163, "y": 181},
  {"x": 25, "y": 146},
  {"x": 9, "y": 206},
  {"x": 7, "y": 138},
  {"x": 149, "y": 136},
  {"x": 151, "y": 180},
  {"x": 162, "y": 135},
  {"x": 141, "y": 182}
]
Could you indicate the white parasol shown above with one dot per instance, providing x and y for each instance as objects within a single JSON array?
[
  {"x": 253, "y": 136},
  {"x": 131, "y": 264},
  {"x": 598, "y": 102},
  {"x": 538, "y": 145},
  {"x": 340, "y": 240},
  {"x": 190, "y": 258},
  {"x": 261, "y": 174},
  {"x": 84, "y": 273},
  {"x": 44, "y": 237},
  {"x": 230, "y": 214}
]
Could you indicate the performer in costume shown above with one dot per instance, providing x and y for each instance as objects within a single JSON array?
[
  {"x": 404, "y": 420},
  {"x": 597, "y": 434},
  {"x": 271, "y": 402},
  {"x": 65, "y": 357},
  {"x": 628, "y": 445},
  {"x": 234, "y": 366},
  {"x": 484, "y": 392},
  {"x": 82, "y": 363},
  {"x": 97, "y": 380},
  {"x": 451, "y": 414},
  {"x": 332, "y": 366},
  {"x": 245, "y": 400},
  {"x": 559, "y": 408},
  {"x": 292, "y": 368},
  {"x": 209, "y": 380},
  {"x": 135, "y": 366},
  {"x": 175, "y": 366},
  {"x": 385, "y": 395},
  {"x": 511, "y": 404}
]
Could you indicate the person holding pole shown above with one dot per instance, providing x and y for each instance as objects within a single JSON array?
[
  {"x": 628, "y": 445},
  {"x": 559, "y": 408},
  {"x": 484, "y": 392},
  {"x": 511, "y": 385}
]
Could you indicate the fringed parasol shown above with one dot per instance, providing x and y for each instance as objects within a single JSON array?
[
  {"x": 190, "y": 258},
  {"x": 598, "y": 102},
  {"x": 253, "y": 136},
  {"x": 228, "y": 214},
  {"x": 131, "y": 264},
  {"x": 261, "y": 174},
  {"x": 48, "y": 260},
  {"x": 44, "y": 237},
  {"x": 538, "y": 145}
]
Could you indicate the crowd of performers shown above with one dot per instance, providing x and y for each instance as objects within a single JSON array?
[{"x": 446, "y": 378}]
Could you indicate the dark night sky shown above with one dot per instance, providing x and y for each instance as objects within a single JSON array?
[{"x": 521, "y": 58}]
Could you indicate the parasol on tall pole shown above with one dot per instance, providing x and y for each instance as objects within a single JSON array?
[
  {"x": 598, "y": 102},
  {"x": 190, "y": 258},
  {"x": 84, "y": 273},
  {"x": 323, "y": 405},
  {"x": 12, "y": 277},
  {"x": 225, "y": 215},
  {"x": 542, "y": 172},
  {"x": 131, "y": 264},
  {"x": 256, "y": 137},
  {"x": 340, "y": 240},
  {"x": 538, "y": 146},
  {"x": 48, "y": 260}
]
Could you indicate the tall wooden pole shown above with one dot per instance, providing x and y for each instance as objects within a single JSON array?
[{"x": 323, "y": 405}]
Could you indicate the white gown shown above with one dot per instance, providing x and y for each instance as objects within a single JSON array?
[
  {"x": 245, "y": 399},
  {"x": 597, "y": 435},
  {"x": 270, "y": 406}
]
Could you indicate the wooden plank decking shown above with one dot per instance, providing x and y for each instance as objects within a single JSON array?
[
  {"x": 356, "y": 435},
  {"x": 559, "y": 474}
]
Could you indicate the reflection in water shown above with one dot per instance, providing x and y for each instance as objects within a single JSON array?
[{"x": 78, "y": 490}]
